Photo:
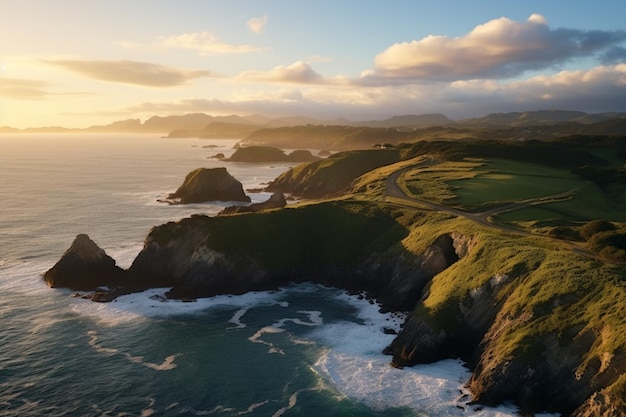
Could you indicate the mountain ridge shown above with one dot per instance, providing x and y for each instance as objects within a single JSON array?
[{"x": 193, "y": 123}]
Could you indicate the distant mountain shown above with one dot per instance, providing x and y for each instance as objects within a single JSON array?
[
  {"x": 217, "y": 130},
  {"x": 130, "y": 125},
  {"x": 409, "y": 121},
  {"x": 235, "y": 126},
  {"x": 538, "y": 118},
  {"x": 303, "y": 121}
]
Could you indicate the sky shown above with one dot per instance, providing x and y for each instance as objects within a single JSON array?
[{"x": 78, "y": 63}]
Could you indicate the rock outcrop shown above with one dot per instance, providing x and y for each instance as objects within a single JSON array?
[
  {"x": 208, "y": 184},
  {"x": 270, "y": 154},
  {"x": 276, "y": 200},
  {"x": 84, "y": 267},
  {"x": 350, "y": 246},
  {"x": 539, "y": 327}
]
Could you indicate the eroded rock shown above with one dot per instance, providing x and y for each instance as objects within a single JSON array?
[
  {"x": 84, "y": 267},
  {"x": 208, "y": 184}
]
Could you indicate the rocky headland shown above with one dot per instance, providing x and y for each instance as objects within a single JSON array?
[
  {"x": 539, "y": 321},
  {"x": 490, "y": 301}
]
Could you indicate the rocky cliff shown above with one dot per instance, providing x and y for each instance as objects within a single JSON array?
[
  {"x": 539, "y": 325},
  {"x": 353, "y": 246}
]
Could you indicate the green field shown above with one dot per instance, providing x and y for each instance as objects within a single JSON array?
[{"x": 501, "y": 181}]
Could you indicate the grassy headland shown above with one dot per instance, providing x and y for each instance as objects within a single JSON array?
[{"x": 494, "y": 247}]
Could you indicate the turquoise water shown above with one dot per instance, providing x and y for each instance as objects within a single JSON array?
[{"x": 300, "y": 351}]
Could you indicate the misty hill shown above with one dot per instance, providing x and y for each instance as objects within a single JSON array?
[
  {"x": 408, "y": 121},
  {"x": 202, "y": 125},
  {"x": 538, "y": 118}
]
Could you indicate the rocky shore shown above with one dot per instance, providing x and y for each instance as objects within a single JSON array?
[{"x": 470, "y": 296}]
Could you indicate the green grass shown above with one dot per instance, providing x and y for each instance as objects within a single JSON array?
[
  {"x": 587, "y": 203},
  {"x": 552, "y": 292},
  {"x": 501, "y": 181},
  {"x": 432, "y": 183}
]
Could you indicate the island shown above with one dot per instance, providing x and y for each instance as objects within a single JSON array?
[
  {"x": 492, "y": 247},
  {"x": 208, "y": 184}
]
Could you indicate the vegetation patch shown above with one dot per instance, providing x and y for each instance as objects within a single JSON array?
[{"x": 332, "y": 175}]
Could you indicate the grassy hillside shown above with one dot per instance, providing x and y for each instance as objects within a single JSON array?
[
  {"x": 333, "y": 174},
  {"x": 537, "y": 297}
]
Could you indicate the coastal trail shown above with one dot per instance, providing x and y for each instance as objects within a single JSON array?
[{"x": 483, "y": 218}]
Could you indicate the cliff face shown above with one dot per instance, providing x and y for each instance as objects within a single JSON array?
[
  {"x": 538, "y": 325},
  {"x": 195, "y": 257},
  {"x": 540, "y": 332}
]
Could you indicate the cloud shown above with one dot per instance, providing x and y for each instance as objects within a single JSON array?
[
  {"x": 500, "y": 48},
  {"x": 598, "y": 89},
  {"x": 614, "y": 55},
  {"x": 299, "y": 72},
  {"x": 206, "y": 44},
  {"x": 130, "y": 72},
  {"x": 257, "y": 24},
  {"x": 595, "y": 90},
  {"x": 21, "y": 89}
]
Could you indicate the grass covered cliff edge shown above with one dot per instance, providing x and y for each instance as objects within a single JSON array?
[{"x": 520, "y": 276}]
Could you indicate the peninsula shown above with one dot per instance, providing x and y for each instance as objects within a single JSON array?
[{"x": 508, "y": 254}]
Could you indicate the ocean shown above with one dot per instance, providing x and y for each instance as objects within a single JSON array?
[{"x": 302, "y": 350}]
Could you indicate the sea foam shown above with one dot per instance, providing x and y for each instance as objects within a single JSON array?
[{"x": 353, "y": 363}]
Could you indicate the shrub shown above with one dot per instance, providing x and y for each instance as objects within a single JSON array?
[{"x": 594, "y": 227}]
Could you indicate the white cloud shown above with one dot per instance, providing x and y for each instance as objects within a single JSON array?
[
  {"x": 257, "y": 24},
  {"x": 596, "y": 90},
  {"x": 299, "y": 72},
  {"x": 28, "y": 89},
  {"x": 205, "y": 43},
  {"x": 130, "y": 72},
  {"x": 22, "y": 89},
  {"x": 500, "y": 48}
]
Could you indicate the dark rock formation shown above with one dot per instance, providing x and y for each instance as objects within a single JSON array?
[
  {"x": 576, "y": 368},
  {"x": 276, "y": 200},
  {"x": 300, "y": 155},
  {"x": 84, "y": 267},
  {"x": 204, "y": 256},
  {"x": 208, "y": 184},
  {"x": 270, "y": 154}
]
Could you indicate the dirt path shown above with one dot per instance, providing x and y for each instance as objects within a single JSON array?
[{"x": 483, "y": 218}]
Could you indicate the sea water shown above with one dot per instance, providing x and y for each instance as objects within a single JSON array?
[{"x": 301, "y": 350}]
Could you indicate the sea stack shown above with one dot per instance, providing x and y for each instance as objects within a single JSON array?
[
  {"x": 84, "y": 267},
  {"x": 209, "y": 184}
]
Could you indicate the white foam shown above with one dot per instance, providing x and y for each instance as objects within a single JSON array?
[
  {"x": 167, "y": 364},
  {"x": 354, "y": 365},
  {"x": 153, "y": 303},
  {"x": 315, "y": 319}
]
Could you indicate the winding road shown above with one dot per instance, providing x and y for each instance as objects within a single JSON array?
[{"x": 393, "y": 190}]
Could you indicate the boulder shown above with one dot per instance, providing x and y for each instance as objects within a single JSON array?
[
  {"x": 84, "y": 267},
  {"x": 208, "y": 184},
  {"x": 276, "y": 200}
]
